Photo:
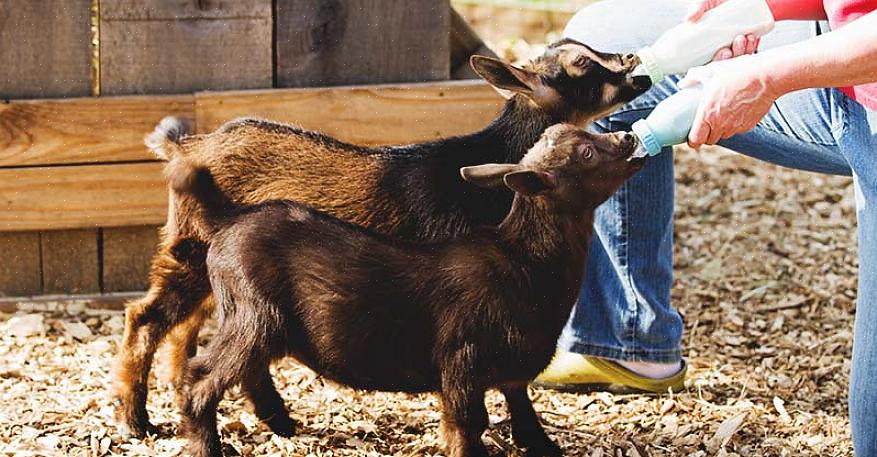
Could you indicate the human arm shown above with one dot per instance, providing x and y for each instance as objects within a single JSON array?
[{"x": 739, "y": 92}]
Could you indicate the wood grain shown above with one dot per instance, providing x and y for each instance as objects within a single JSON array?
[
  {"x": 20, "y": 264},
  {"x": 333, "y": 42},
  {"x": 45, "y": 47},
  {"x": 123, "y": 194},
  {"x": 83, "y": 130},
  {"x": 127, "y": 252},
  {"x": 45, "y": 198},
  {"x": 178, "y": 46},
  {"x": 70, "y": 261},
  {"x": 371, "y": 115}
]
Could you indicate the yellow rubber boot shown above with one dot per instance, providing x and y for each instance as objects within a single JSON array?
[{"x": 577, "y": 372}]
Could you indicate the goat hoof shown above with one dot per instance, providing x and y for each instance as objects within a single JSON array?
[
  {"x": 544, "y": 451},
  {"x": 208, "y": 449},
  {"x": 548, "y": 449},
  {"x": 131, "y": 420},
  {"x": 282, "y": 425},
  {"x": 137, "y": 429}
]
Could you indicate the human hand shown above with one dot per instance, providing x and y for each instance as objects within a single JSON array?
[
  {"x": 742, "y": 44},
  {"x": 736, "y": 95}
]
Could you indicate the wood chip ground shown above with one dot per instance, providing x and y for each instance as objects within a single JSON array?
[{"x": 765, "y": 279}]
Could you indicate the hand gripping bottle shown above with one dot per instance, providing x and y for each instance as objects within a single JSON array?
[
  {"x": 689, "y": 45},
  {"x": 669, "y": 123}
]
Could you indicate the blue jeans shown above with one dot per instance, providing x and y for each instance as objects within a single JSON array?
[{"x": 624, "y": 309}]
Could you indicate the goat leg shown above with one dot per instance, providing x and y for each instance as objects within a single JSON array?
[
  {"x": 464, "y": 417},
  {"x": 204, "y": 388},
  {"x": 269, "y": 405},
  {"x": 526, "y": 428},
  {"x": 177, "y": 289}
]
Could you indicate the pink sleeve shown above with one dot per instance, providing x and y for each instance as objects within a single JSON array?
[{"x": 784, "y": 10}]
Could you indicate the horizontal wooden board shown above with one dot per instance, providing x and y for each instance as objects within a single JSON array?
[
  {"x": 46, "y": 198},
  {"x": 83, "y": 130},
  {"x": 123, "y": 194},
  {"x": 371, "y": 115}
]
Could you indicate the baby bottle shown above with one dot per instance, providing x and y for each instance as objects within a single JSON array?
[
  {"x": 669, "y": 123},
  {"x": 689, "y": 45}
]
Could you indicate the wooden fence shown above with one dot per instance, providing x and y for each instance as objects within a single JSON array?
[{"x": 81, "y": 197}]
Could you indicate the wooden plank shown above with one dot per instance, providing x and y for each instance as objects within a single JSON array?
[
  {"x": 46, "y": 48},
  {"x": 371, "y": 115},
  {"x": 110, "y": 129},
  {"x": 70, "y": 261},
  {"x": 83, "y": 130},
  {"x": 20, "y": 265},
  {"x": 178, "y": 46},
  {"x": 124, "y": 194},
  {"x": 127, "y": 252},
  {"x": 333, "y": 42},
  {"x": 82, "y": 196}
]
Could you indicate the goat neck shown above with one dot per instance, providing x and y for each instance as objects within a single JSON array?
[
  {"x": 545, "y": 235},
  {"x": 517, "y": 128}
]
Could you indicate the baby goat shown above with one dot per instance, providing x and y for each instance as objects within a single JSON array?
[
  {"x": 459, "y": 316},
  {"x": 412, "y": 192}
]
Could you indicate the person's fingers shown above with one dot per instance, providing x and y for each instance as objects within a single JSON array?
[
  {"x": 751, "y": 44},
  {"x": 699, "y": 131},
  {"x": 738, "y": 46},
  {"x": 723, "y": 54},
  {"x": 714, "y": 136}
]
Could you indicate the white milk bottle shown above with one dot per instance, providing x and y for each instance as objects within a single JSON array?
[{"x": 690, "y": 44}]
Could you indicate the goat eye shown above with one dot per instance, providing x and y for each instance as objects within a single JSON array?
[
  {"x": 581, "y": 61},
  {"x": 587, "y": 152}
]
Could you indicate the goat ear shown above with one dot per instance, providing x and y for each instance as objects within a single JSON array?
[
  {"x": 529, "y": 182},
  {"x": 488, "y": 175},
  {"x": 506, "y": 78}
]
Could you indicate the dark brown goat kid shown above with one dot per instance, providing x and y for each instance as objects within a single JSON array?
[
  {"x": 412, "y": 192},
  {"x": 459, "y": 317}
]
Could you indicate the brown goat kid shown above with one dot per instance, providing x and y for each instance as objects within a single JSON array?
[
  {"x": 459, "y": 317},
  {"x": 413, "y": 192}
]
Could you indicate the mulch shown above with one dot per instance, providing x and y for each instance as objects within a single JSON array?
[{"x": 765, "y": 278}]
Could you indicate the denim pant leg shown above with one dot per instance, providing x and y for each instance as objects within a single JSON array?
[
  {"x": 859, "y": 141},
  {"x": 624, "y": 309}
]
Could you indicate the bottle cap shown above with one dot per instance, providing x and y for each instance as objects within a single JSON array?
[
  {"x": 646, "y": 137},
  {"x": 649, "y": 62}
]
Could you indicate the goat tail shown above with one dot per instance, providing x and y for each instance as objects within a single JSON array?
[
  {"x": 167, "y": 137},
  {"x": 190, "y": 179}
]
